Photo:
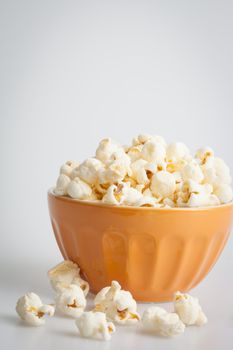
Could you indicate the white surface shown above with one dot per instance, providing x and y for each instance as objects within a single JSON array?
[
  {"x": 72, "y": 72},
  {"x": 17, "y": 277}
]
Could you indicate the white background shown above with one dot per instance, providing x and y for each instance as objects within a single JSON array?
[{"x": 72, "y": 72}]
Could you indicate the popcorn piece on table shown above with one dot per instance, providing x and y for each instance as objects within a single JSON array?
[
  {"x": 189, "y": 310},
  {"x": 79, "y": 189},
  {"x": 118, "y": 304},
  {"x": 66, "y": 273},
  {"x": 71, "y": 301},
  {"x": 68, "y": 167},
  {"x": 61, "y": 185},
  {"x": 95, "y": 325},
  {"x": 157, "y": 320},
  {"x": 31, "y": 310}
]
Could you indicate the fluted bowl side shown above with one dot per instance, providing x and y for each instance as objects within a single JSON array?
[{"x": 151, "y": 252}]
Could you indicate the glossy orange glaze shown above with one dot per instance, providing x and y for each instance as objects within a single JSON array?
[{"x": 151, "y": 252}]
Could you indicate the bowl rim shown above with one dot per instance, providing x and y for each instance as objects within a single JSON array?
[{"x": 128, "y": 207}]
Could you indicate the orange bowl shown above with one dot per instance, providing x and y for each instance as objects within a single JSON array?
[{"x": 151, "y": 252}]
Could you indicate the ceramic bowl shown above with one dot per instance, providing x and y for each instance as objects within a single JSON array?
[{"x": 151, "y": 252}]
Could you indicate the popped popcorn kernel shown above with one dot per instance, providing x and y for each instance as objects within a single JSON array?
[
  {"x": 163, "y": 184},
  {"x": 61, "y": 185},
  {"x": 224, "y": 193},
  {"x": 189, "y": 309},
  {"x": 203, "y": 154},
  {"x": 167, "y": 174},
  {"x": 176, "y": 151},
  {"x": 160, "y": 322},
  {"x": 118, "y": 304},
  {"x": 64, "y": 274},
  {"x": 88, "y": 170},
  {"x": 68, "y": 167},
  {"x": 71, "y": 301},
  {"x": 154, "y": 152},
  {"x": 107, "y": 148},
  {"x": 31, "y": 310},
  {"x": 79, "y": 189},
  {"x": 94, "y": 325}
]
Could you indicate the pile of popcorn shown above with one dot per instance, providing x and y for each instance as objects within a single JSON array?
[
  {"x": 111, "y": 306},
  {"x": 149, "y": 173}
]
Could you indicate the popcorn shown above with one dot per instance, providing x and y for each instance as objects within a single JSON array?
[
  {"x": 31, "y": 310},
  {"x": 71, "y": 301},
  {"x": 189, "y": 310},
  {"x": 61, "y": 185},
  {"x": 169, "y": 202},
  {"x": 154, "y": 152},
  {"x": 177, "y": 166},
  {"x": 163, "y": 184},
  {"x": 132, "y": 196},
  {"x": 118, "y": 304},
  {"x": 65, "y": 274},
  {"x": 192, "y": 171},
  {"x": 194, "y": 187},
  {"x": 178, "y": 177},
  {"x": 147, "y": 201},
  {"x": 143, "y": 138},
  {"x": 123, "y": 309},
  {"x": 105, "y": 295},
  {"x": 115, "y": 171},
  {"x": 216, "y": 172},
  {"x": 139, "y": 171},
  {"x": 68, "y": 167},
  {"x": 203, "y": 153},
  {"x": 176, "y": 151},
  {"x": 115, "y": 195},
  {"x": 135, "y": 152},
  {"x": 88, "y": 170},
  {"x": 94, "y": 325},
  {"x": 157, "y": 320},
  {"x": 140, "y": 188},
  {"x": 79, "y": 189},
  {"x": 202, "y": 200},
  {"x": 107, "y": 149},
  {"x": 194, "y": 194},
  {"x": 147, "y": 193},
  {"x": 224, "y": 193},
  {"x": 166, "y": 175},
  {"x": 159, "y": 139}
]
